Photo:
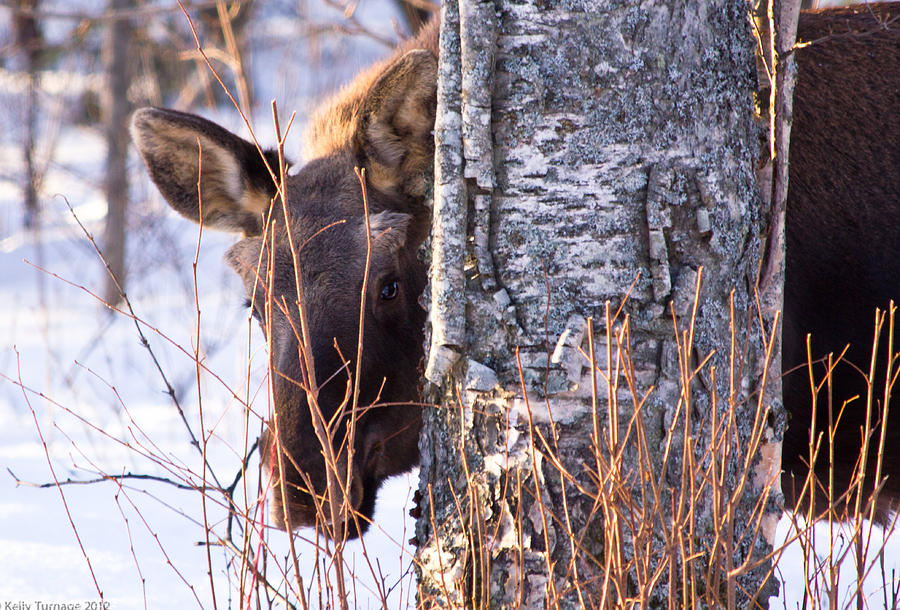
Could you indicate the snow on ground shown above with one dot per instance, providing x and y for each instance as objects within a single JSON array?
[{"x": 881, "y": 588}]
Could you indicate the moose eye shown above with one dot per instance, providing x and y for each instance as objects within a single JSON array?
[{"x": 389, "y": 290}]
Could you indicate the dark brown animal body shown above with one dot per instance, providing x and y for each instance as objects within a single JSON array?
[{"x": 843, "y": 225}]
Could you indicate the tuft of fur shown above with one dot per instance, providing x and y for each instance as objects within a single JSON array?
[{"x": 388, "y": 229}]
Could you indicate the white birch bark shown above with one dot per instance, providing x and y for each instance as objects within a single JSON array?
[{"x": 600, "y": 142}]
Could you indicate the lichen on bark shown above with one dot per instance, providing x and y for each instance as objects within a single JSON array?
[{"x": 621, "y": 161}]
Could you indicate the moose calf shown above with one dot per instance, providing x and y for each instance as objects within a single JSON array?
[
  {"x": 315, "y": 253},
  {"x": 843, "y": 218}
]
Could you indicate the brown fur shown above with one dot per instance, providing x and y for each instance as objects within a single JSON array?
[
  {"x": 383, "y": 122},
  {"x": 843, "y": 223}
]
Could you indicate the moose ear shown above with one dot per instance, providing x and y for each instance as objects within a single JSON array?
[
  {"x": 394, "y": 130},
  {"x": 235, "y": 186}
]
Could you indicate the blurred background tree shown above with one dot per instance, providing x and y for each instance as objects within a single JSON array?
[{"x": 26, "y": 56}]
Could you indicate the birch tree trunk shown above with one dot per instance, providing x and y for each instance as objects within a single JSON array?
[{"x": 600, "y": 437}]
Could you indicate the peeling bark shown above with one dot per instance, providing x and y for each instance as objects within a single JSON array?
[
  {"x": 448, "y": 230},
  {"x": 615, "y": 154},
  {"x": 780, "y": 18}
]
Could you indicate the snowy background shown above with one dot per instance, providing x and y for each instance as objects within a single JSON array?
[
  {"x": 78, "y": 385},
  {"x": 80, "y": 395}
]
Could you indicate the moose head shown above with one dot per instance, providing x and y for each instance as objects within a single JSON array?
[{"x": 345, "y": 417}]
